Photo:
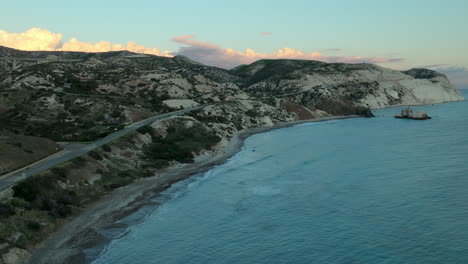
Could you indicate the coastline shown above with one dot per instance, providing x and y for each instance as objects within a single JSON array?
[
  {"x": 421, "y": 104},
  {"x": 68, "y": 243}
]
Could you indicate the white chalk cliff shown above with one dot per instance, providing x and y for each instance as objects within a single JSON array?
[{"x": 367, "y": 85}]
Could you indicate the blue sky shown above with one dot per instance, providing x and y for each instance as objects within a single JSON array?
[{"x": 411, "y": 33}]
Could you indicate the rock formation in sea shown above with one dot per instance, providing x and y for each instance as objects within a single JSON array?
[{"x": 408, "y": 114}]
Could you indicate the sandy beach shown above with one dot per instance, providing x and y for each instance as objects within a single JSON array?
[{"x": 67, "y": 244}]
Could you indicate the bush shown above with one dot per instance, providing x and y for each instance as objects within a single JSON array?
[
  {"x": 44, "y": 193},
  {"x": 33, "y": 225},
  {"x": 60, "y": 172},
  {"x": 85, "y": 87},
  {"x": 251, "y": 113},
  {"x": 146, "y": 130},
  {"x": 26, "y": 190},
  {"x": 6, "y": 210},
  {"x": 116, "y": 113},
  {"x": 117, "y": 182},
  {"x": 78, "y": 161},
  {"x": 180, "y": 144},
  {"x": 106, "y": 148},
  {"x": 94, "y": 154}
]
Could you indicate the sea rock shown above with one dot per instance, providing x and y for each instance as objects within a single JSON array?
[
  {"x": 408, "y": 114},
  {"x": 421, "y": 115},
  {"x": 365, "y": 111}
]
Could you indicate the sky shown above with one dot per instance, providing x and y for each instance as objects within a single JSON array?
[{"x": 396, "y": 34}]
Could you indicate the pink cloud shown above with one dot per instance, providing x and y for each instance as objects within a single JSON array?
[
  {"x": 212, "y": 54},
  {"x": 265, "y": 33}
]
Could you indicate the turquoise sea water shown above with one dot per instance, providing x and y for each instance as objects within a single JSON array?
[{"x": 380, "y": 190}]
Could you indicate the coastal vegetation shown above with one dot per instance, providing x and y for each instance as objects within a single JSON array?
[
  {"x": 180, "y": 144},
  {"x": 42, "y": 203}
]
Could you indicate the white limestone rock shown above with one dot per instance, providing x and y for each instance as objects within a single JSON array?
[
  {"x": 180, "y": 103},
  {"x": 16, "y": 256}
]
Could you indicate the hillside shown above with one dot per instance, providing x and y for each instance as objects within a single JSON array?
[
  {"x": 74, "y": 96},
  {"x": 50, "y": 97},
  {"x": 316, "y": 84}
]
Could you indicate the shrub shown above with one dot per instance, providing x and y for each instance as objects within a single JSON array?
[
  {"x": 116, "y": 113},
  {"x": 106, "y": 148},
  {"x": 85, "y": 87},
  {"x": 180, "y": 144},
  {"x": 33, "y": 225},
  {"x": 60, "y": 172},
  {"x": 94, "y": 154},
  {"x": 251, "y": 113},
  {"x": 17, "y": 144},
  {"x": 146, "y": 130},
  {"x": 44, "y": 193},
  {"x": 6, "y": 210},
  {"x": 25, "y": 190},
  {"x": 78, "y": 161}
]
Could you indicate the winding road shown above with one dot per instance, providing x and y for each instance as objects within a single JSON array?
[{"x": 78, "y": 150}]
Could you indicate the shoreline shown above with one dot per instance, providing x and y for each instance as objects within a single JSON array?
[
  {"x": 418, "y": 105},
  {"x": 67, "y": 244}
]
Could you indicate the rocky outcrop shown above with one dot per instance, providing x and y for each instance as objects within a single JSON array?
[
  {"x": 302, "y": 112},
  {"x": 180, "y": 103},
  {"x": 15, "y": 256},
  {"x": 421, "y": 115},
  {"x": 408, "y": 114}
]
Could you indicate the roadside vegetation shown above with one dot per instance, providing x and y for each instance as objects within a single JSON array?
[
  {"x": 179, "y": 145},
  {"x": 42, "y": 203}
]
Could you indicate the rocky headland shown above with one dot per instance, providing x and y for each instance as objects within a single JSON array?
[{"x": 52, "y": 97}]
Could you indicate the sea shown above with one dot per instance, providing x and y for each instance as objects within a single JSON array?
[{"x": 360, "y": 190}]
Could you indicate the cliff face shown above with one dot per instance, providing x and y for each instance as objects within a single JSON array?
[{"x": 311, "y": 83}]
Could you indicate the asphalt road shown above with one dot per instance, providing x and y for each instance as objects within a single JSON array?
[{"x": 76, "y": 151}]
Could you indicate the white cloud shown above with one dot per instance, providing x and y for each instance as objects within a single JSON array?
[
  {"x": 32, "y": 39},
  {"x": 42, "y": 39}
]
